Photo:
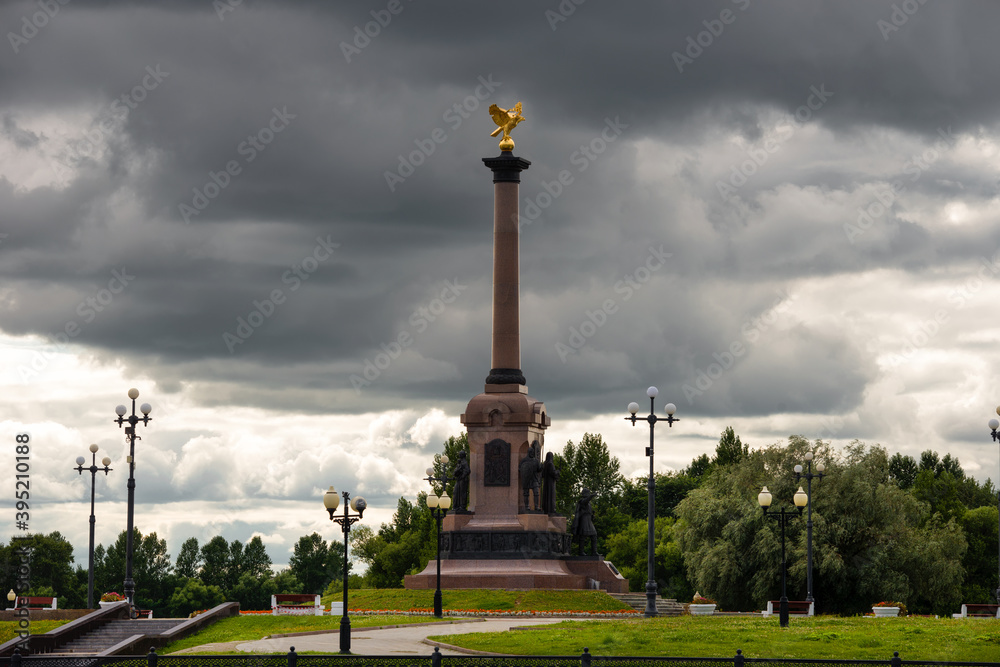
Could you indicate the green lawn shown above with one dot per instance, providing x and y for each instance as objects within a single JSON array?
[
  {"x": 820, "y": 637},
  {"x": 253, "y": 627},
  {"x": 8, "y": 629},
  {"x": 405, "y": 600}
]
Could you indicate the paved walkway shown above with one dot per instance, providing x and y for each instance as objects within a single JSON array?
[{"x": 408, "y": 639}]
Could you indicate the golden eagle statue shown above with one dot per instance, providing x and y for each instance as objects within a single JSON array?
[{"x": 507, "y": 120}]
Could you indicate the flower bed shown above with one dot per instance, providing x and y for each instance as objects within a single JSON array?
[{"x": 624, "y": 613}]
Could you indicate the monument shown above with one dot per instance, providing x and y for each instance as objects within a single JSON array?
[{"x": 507, "y": 537}]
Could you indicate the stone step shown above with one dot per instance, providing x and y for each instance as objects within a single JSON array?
[
  {"x": 116, "y": 631},
  {"x": 664, "y": 606}
]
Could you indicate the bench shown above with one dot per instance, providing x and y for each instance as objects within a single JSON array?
[
  {"x": 296, "y": 605},
  {"x": 795, "y": 607},
  {"x": 35, "y": 602},
  {"x": 979, "y": 611}
]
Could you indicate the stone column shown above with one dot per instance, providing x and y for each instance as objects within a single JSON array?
[{"x": 506, "y": 353}]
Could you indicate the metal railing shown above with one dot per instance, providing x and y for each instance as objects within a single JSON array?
[{"x": 436, "y": 659}]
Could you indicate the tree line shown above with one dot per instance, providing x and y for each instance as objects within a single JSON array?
[
  {"x": 201, "y": 577},
  {"x": 918, "y": 531}
]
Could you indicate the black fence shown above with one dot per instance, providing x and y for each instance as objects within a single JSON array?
[{"x": 436, "y": 659}]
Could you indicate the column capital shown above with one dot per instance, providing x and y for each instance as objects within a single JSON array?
[{"x": 506, "y": 167}]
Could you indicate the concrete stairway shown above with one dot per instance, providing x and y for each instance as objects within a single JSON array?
[
  {"x": 664, "y": 607},
  {"x": 113, "y": 632}
]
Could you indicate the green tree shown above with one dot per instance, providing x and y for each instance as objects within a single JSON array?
[
  {"x": 189, "y": 559},
  {"x": 699, "y": 467},
  {"x": 285, "y": 582},
  {"x": 234, "y": 568},
  {"x": 872, "y": 541},
  {"x": 628, "y": 550},
  {"x": 254, "y": 593},
  {"x": 973, "y": 494},
  {"x": 730, "y": 449},
  {"x": 215, "y": 562},
  {"x": 929, "y": 460},
  {"x": 256, "y": 562},
  {"x": 452, "y": 447},
  {"x": 194, "y": 596},
  {"x": 51, "y": 568},
  {"x": 903, "y": 470},
  {"x": 151, "y": 570},
  {"x": 980, "y": 561},
  {"x": 314, "y": 563},
  {"x": 590, "y": 465},
  {"x": 951, "y": 465},
  {"x": 940, "y": 492},
  {"x": 671, "y": 488},
  {"x": 397, "y": 549}
]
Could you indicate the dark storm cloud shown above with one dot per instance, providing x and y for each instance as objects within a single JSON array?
[{"x": 211, "y": 125}]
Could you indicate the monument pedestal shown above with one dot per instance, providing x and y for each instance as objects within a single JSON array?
[
  {"x": 500, "y": 543},
  {"x": 521, "y": 574}
]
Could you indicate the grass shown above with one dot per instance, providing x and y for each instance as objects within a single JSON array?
[
  {"x": 405, "y": 600},
  {"x": 8, "y": 629},
  {"x": 251, "y": 628},
  {"x": 829, "y": 637}
]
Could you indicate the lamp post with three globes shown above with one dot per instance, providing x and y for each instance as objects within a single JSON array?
[
  {"x": 438, "y": 506},
  {"x": 131, "y": 437},
  {"x": 331, "y": 501},
  {"x": 809, "y": 475},
  {"x": 93, "y": 475},
  {"x": 633, "y": 408}
]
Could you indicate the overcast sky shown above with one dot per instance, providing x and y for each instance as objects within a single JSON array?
[{"x": 784, "y": 214}]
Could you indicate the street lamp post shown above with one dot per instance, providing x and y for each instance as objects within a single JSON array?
[
  {"x": 93, "y": 475},
  {"x": 439, "y": 507},
  {"x": 130, "y": 435},
  {"x": 994, "y": 425},
  {"x": 331, "y": 502},
  {"x": 809, "y": 474},
  {"x": 670, "y": 408},
  {"x": 764, "y": 499}
]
